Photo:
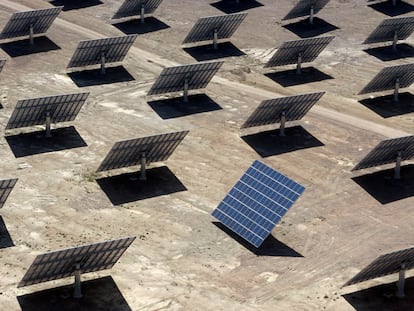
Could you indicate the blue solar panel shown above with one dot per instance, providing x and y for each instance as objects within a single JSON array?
[{"x": 257, "y": 202}]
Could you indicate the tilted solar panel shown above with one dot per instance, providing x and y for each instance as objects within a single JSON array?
[
  {"x": 294, "y": 107},
  {"x": 402, "y": 26},
  {"x": 128, "y": 153},
  {"x": 225, "y": 25},
  {"x": 2, "y": 63},
  {"x": 257, "y": 202},
  {"x": 303, "y": 7},
  {"x": 133, "y": 7},
  {"x": 6, "y": 186}
]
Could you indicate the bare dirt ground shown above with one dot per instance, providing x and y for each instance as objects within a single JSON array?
[{"x": 180, "y": 259}]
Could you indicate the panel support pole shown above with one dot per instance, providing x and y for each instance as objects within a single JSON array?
[
  {"x": 311, "y": 15},
  {"x": 299, "y": 64},
  {"x": 48, "y": 122},
  {"x": 77, "y": 293},
  {"x": 215, "y": 39},
  {"x": 396, "y": 90},
  {"x": 103, "y": 60},
  {"x": 394, "y": 42},
  {"x": 397, "y": 170},
  {"x": 394, "y": 2},
  {"x": 185, "y": 95},
  {"x": 142, "y": 14},
  {"x": 238, "y": 1},
  {"x": 31, "y": 34},
  {"x": 282, "y": 124},
  {"x": 143, "y": 173},
  {"x": 401, "y": 282}
]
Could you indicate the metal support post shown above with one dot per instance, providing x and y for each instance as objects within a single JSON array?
[
  {"x": 394, "y": 2},
  {"x": 282, "y": 124},
  {"x": 299, "y": 64},
  {"x": 77, "y": 293},
  {"x": 311, "y": 15},
  {"x": 48, "y": 121},
  {"x": 396, "y": 90},
  {"x": 394, "y": 42},
  {"x": 31, "y": 33},
  {"x": 103, "y": 63},
  {"x": 215, "y": 39},
  {"x": 397, "y": 170},
  {"x": 143, "y": 175},
  {"x": 185, "y": 95},
  {"x": 401, "y": 282},
  {"x": 142, "y": 14},
  {"x": 238, "y": 1}
]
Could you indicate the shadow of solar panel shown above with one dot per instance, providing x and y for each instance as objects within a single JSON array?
[
  {"x": 386, "y": 7},
  {"x": 128, "y": 152},
  {"x": 90, "y": 52},
  {"x": 384, "y": 265},
  {"x": 75, "y": 4},
  {"x": 386, "y": 152},
  {"x": 6, "y": 186},
  {"x": 134, "y": 26},
  {"x": 386, "y": 53},
  {"x": 386, "y": 107},
  {"x": 207, "y": 52},
  {"x": 308, "y": 49},
  {"x": 304, "y": 29},
  {"x": 62, "y": 108},
  {"x": 257, "y": 202},
  {"x": 303, "y": 7},
  {"x": 2, "y": 63},
  {"x": 294, "y": 107},
  {"x": 19, "y": 23},
  {"x": 61, "y": 264},
  {"x": 387, "y": 77},
  {"x": 232, "y": 6},
  {"x": 225, "y": 25},
  {"x": 172, "y": 79},
  {"x": 403, "y": 26},
  {"x": 133, "y": 7}
]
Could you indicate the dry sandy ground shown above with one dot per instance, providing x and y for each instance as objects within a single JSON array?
[{"x": 180, "y": 259}]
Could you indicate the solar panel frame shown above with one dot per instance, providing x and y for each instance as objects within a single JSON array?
[
  {"x": 128, "y": 152},
  {"x": 89, "y": 52},
  {"x": 19, "y": 23},
  {"x": 303, "y": 7},
  {"x": 61, "y": 264},
  {"x": 386, "y": 78},
  {"x": 386, "y": 152},
  {"x": 62, "y": 108},
  {"x": 384, "y": 265},
  {"x": 295, "y": 108},
  {"x": 172, "y": 79},
  {"x": 226, "y": 26},
  {"x": 404, "y": 26},
  {"x": 309, "y": 48},
  {"x": 257, "y": 202},
  {"x": 2, "y": 64},
  {"x": 6, "y": 187},
  {"x": 133, "y": 7}
]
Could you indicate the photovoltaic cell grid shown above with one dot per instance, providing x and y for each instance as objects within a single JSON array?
[
  {"x": 133, "y": 7},
  {"x": 61, "y": 264},
  {"x": 309, "y": 49},
  {"x": 128, "y": 153},
  {"x": 2, "y": 63},
  {"x": 172, "y": 79},
  {"x": 62, "y": 108},
  {"x": 386, "y": 152},
  {"x": 19, "y": 23},
  {"x": 386, "y": 78},
  {"x": 89, "y": 52},
  {"x": 303, "y": 7},
  {"x": 257, "y": 202},
  {"x": 6, "y": 186},
  {"x": 225, "y": 25},
  {"x": 294, "y": 107},
  {"x": 404, "y": 26},
  {"x": 384, "y": 265}
]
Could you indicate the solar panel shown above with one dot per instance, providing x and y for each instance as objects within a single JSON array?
[
  {"x": 107, "y": 50},
  {"x": 6, "y": 186},
  {"x": 401, "y": 27},
  {"x": 173, "y": 79},
  {"x": 257, "y": 202},
  {"x": 2, "y": 63},
  {"x": 387, "y": 151},
  {"x": 61, "y": 108},
  {"x": 223, "y": 25},
  {"x": 305, "y": 49},
  {"x": 30, "y": 22},
  {"x": 294, "y": 108},
  {"x": 385, "y": 265},
  {"x": 386, "y": 79},
  {"x": 303, "y": 8},
  {"x": 135, "y": 7},
  {"x": 129, "y": 152},
  {"x": 62, "y": 263}
]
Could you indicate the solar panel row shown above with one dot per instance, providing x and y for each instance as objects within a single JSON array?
[{"x": 402, "y": 26}]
